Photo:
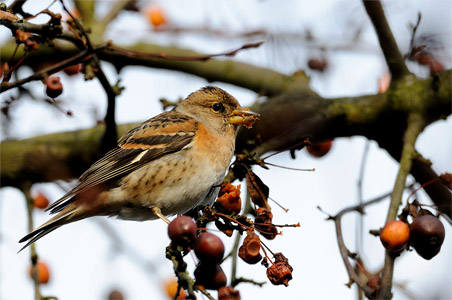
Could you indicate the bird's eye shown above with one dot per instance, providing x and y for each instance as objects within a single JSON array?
[{"x": 218, "y": 107}]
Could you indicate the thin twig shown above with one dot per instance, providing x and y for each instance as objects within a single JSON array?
[
  {"x": 39, "y": 75},
  {"x": 132, "y": 53},
  {"x": 415, "y": 126},
  {"x": 33, "y": 254},
  {"x": 110, "y": 136},
  {"x": 388, "y": 44},
  {"x": 354, "y": 277}
]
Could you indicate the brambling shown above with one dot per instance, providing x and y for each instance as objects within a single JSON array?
[{"x": 167, "y": 165}]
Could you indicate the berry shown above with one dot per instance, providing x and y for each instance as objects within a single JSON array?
[
  {"x": 320, "y": 149},
  {"x": 155, "y": 16},
  {"x": 73, "y": 70},
  {"x": 115, "y": 295},
  {"x": 263, "y": 223},
  {"x": 183, "y": 231},
  {"x": 54, "y": 88},
  {"x": 229, "y": 199},
  {"x": 427, "y": 235},
  {"x": 210, "y": 276},
  {"x": 395, "y": 235},
  {"x": 374, "y": 282},
  {"x": 250, "y": 249},
  {"x": 228, "y": 293},
  {"x": 279, "y": 273},
  {"x": 171, "y": 289},
  {"x": 317, "y": 64},
  {"x": 40, "y": 201},
  {"x": 43, "y": 272},
  {"x": 209, "y": 248}
]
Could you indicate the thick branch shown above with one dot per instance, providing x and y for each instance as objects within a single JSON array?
[
  {"x": 260, "y": 80},
  {"x": 388, "y": 44}
]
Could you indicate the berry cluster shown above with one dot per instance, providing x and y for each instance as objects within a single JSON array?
[
  {"x": 186, "y": 235},
  {"x": 425, "y": 233}
]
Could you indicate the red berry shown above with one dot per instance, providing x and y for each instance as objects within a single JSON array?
[
  {"x": 115, "y": 295},
  {"x": 427, "y": 235},
  {"x": 210, "y": 276},
  {"x": 317, "y": 64},
  {"x": 209, "y": 248},
  {"x": 54, "y": 88},
  {"x": 73, "y": 70},
  {"x": 319, "y": 149},
  {"x": 183, "y": 231}
]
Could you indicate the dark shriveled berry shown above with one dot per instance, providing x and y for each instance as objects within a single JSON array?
[
  {"x": 427, "y": 235},
  {"x": 250, "y": 249},
  {"x": 279, "y": 273},
  {"x": 182, "y": 231},
  {"x": 210, "y": 276},
  {"x": 209, "y": 248},
  {"x": 228, "y": 293}
]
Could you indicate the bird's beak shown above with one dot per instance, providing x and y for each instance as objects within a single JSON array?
[{"x": 243, "y": 116}]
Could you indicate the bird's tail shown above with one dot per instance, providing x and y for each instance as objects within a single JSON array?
[{"x": 67, "y": 215}]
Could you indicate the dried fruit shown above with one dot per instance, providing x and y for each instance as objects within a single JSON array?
[
  {"x": 209, "y": 248},
  {"x": 183, "y": 231},
  {"x": 320, "y": 149},
  {"x": 263, "y": 223},
  {"x": 250, "y": 249},
  {"x": 280, "y": 272},
  {"x": 427, "y": 235},
  {"x": 40, "y": 201},
  {"x": 171, "y": 289},
  {"x": 43, "y": 272},
  {"x": 210, "y": 276},
  {"x": 395, "y": 235},
  {"x": 228, "y": 293},
  {"x": 54, "y": 88},
  {"x": 229, "y": 199}
]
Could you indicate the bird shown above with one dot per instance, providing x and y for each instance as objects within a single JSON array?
[{"x": 167, "y": 165}]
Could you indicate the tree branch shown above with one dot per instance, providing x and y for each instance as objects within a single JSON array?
[
  {"x": 415, "y": 126},
  {"x": 388, "y": 44}
]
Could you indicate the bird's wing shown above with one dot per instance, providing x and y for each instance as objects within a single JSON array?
[{"x": 166, "y": 133}]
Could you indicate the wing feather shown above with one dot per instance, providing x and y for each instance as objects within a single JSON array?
[{"x": 166, "y": 133}]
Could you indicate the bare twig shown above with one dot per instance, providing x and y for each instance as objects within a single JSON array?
[
  {"x": 110, "y": 136},
  {"x": 354, "y": 277},
  {"x": 388, "y": 44},
  {"x": 132, "y": 53},
  {"x": 33, "y": 254},
  {"x": 39, "y": 75}
]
